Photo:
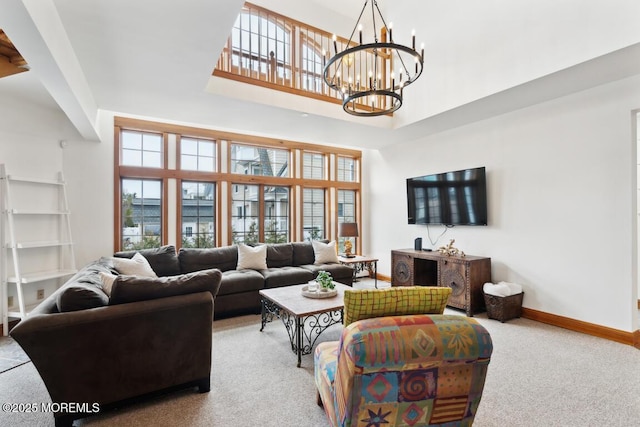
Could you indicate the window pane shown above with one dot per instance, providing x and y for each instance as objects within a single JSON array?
[
  {"x": 141, "y": 214},
  {"x": 197, "y": 155},
  {"x": 151, "y": 159},
  {"x": 313, "y": 166},
  {"x": 141, "y": 149},
  {"x": 313, "y": 214},
  {"x": 198, "y": 215},
  {"x": 245, "y": 214},
  {"x": 347, "y": 169},
  {"x": 131, "y": 158},
  {"x": 189, "y": 146},
  {"x": 132, "y": 140},
  {"x": 276, "y": 217},
  {"x": 346, "y": 211},
  {"x": 251, "y": 160},
  {"x": 189, "y": 163},
  {"x": 151, "y": 142}
]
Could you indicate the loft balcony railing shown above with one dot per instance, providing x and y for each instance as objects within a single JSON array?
[{"x": 270, "y": 50}]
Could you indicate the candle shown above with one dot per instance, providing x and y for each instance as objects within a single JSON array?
[
  {"x": 422, "y": 48},
  {"x": 335, "y": 44},
  {"x": 391, "y": 32},
  {"x": 360, "y": 30},
  {"x": 413, "y": 38}
]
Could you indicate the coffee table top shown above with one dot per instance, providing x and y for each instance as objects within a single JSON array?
[{"x": 290, "y": 298}]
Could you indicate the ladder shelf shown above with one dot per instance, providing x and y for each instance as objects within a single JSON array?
[{"x": 20, "y": 248}]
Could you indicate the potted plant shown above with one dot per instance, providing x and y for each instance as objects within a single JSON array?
[{"x": 325, "y": 280}]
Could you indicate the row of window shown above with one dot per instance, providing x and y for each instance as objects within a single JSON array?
[
  {"x": 275, "y": 51},
  {"x": 253, "y": 194}
]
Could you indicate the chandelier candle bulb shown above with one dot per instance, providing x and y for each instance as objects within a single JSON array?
[
  {"x": 391, "y": 32},
  {"x": 335, "y": 44},
  {"x": 360, "y": 30},
  {"x": 413, "y": 39}
]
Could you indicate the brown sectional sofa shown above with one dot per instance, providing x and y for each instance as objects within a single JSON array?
[
  {"x": 150, "y": 335},
  {"x": 287, "y": 264}
]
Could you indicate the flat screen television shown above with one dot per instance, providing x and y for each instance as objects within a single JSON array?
[{"x": 449, "y": 198}]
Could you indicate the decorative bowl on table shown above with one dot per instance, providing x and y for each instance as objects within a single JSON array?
[{"x": 311, "y": 291}]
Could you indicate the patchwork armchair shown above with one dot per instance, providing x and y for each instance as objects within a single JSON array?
[{"x": 404, "y": 370}]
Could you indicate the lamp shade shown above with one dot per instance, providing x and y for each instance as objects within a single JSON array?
[{"x": 348, "y": 229}]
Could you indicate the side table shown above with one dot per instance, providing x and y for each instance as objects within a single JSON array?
[{"x": 360, "y": 263}]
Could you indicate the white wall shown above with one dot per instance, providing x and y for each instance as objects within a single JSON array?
[
  {"x": 561, "y": 191},
  {"x": 30, "y": 136}
]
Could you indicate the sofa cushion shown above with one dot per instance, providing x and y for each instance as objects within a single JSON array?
[
  {"x": 302, "y": 253},
  {"x": 240, "y": 281},
  {"x": 324, "y": 252},
  {"x": 135, "y": 288},
  {"x": 366, "y": 303},
  {"x": 136, "y": 266},
  {"x": 254, "y": 258},
  {"x": 279, "y": 255},
  {"x": 196, "y": 259},
  {"x": 285, "y": 276},
  {"x": 163, "y": 260},
  {"x": 81, "y": 296}
]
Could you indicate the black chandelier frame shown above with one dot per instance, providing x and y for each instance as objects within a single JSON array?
[{"x": 386, "y": 92}]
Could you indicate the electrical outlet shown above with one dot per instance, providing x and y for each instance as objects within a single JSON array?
[
  {"x": 10, "y": 301},
  {"x": 40, "y": 294}
]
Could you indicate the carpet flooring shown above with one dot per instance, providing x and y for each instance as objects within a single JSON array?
[{"x": 539, "y": 375}]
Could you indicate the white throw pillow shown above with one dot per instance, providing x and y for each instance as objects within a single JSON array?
[
  {"x": 254, "y": 258},
  {"x": 325, "y": 252},
  {"x": 136, "y": 266},
  {"x": 107, "y": 282}
]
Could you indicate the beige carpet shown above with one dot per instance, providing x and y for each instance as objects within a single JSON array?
[{"x": 539, "y": 376}]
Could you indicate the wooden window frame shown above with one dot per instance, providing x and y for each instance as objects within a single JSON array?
[{"x": 225, "y": 180}]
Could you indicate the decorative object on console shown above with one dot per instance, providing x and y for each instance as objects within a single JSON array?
[
  {"x": 325, "y": 280},
  {"x": 417, "y": 244},
  {"x": 380, "y": 69},
  {"x": 348, "y": 229},
  {"x": 449, "y": 250}
]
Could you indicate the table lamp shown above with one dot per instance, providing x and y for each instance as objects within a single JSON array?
[{"x": 348, "y": 229}]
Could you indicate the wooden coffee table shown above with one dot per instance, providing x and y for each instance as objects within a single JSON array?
[{"x": 304, "y": 318}]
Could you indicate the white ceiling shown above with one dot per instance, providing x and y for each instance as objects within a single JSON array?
[{"x": 154, "y": 58}]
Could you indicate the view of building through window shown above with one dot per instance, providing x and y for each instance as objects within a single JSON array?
[{"x": 265, "y": 201}]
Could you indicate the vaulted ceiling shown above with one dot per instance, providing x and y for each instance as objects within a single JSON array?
[{"x": 154, "y": 58}]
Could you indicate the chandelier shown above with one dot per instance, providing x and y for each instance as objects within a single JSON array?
[{"x": 371, "y": 77}]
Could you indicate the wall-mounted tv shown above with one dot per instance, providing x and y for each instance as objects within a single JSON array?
[{"x": 449, "y": 198}]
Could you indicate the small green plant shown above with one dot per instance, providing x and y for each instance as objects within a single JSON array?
[{"x": 325, "y": 280}]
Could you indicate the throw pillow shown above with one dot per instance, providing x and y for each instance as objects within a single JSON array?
[
  {"x": 163, "y": 260},
  {"x": 254, "y": 258},
  {"x": 136, "y": 266},
  {"x": 107, "y": 282},
  {"x": 136, "y": 288},
  {"x": 324, "y": 252},
  {"x": 395, "y": 301},
  {"x": 80, "y": 296}
]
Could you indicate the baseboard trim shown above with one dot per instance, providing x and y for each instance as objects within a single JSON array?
[
  {"x": 629, "y": 338},
  {"x": 388, "y": 279}
]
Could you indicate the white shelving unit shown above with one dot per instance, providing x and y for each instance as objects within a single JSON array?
[{"x": 40, "y": 211}]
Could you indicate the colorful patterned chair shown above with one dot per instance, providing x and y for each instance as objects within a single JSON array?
[{"x": 404, "y": 370}]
